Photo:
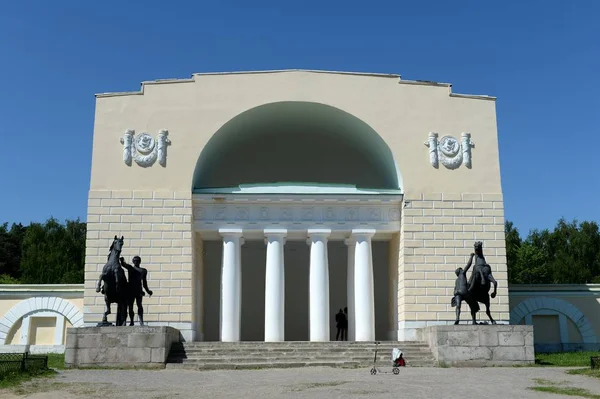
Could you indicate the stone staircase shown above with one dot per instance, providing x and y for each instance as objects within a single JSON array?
[{"x": 255, "y": 355}]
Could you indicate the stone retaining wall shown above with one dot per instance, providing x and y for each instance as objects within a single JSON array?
[
  {"x": 480, "y": 345},
  {"x": 127, "y": 347}
]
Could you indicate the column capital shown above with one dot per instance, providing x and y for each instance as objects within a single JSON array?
[
  {"x": 275, "y": 235},
  {"x": 275, "y": 232},
  {"x": 231, "y": 233},
  {"x": 319, "y": 233},
  {"x": 364, "y": 234}
]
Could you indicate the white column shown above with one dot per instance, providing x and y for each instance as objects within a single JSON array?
[
  {"x": 231, "y": 285},
  {"x": 59, "y": 331},
  {"x": 319, "y": 285},
  {"x": 364, "y": 295},
  {"x": 275, "y": 286},
  {"x": 351, "y": 243}
]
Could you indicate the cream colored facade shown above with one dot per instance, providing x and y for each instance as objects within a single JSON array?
[
  {"x": 230, "y": 125},
  {"x": 565, "y": 317},
  {"x": 35, "y": 317}
]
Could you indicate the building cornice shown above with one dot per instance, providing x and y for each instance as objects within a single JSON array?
[
  {"x": 554, "y": 289},
  {"x": 316, "y": 71},
  {"x": 30, "y": 290}
]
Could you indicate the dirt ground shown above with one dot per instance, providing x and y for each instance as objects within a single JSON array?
[{"x": 447, "y": 383}]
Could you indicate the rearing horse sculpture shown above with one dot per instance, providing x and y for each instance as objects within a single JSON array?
[{"x": 115, "y": 283}]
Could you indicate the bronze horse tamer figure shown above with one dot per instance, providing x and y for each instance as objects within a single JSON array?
[
  {"x": 477, "y": 289},
  {"x": 115, "y": 284}
]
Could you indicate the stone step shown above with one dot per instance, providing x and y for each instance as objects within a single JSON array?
[
  {"x": 259, "y": 351},
  {"x": 248, "y": 355},
  {"x": 294, "y": 352},
  {"x": 296, "y": 348},
  {"x": 357, "y": 354},
  {"x": 284, "y": 364},
  {"x": 360, "y": 360},
  {"x": 304, "y": 343},
  {"x": 311, "y": 356},
  {"x": 343, "y": 355}
]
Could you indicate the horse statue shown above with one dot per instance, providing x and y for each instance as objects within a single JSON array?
[
  {"x": 481, "y": 280},
  {"x": 115, "y": 284}
]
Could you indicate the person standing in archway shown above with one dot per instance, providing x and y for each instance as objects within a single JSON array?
[{"x": 339, "y": 324}]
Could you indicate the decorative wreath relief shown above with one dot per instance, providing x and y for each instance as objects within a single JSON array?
[
  {"x": 450, "y": 151},
  {"x": 144, "y": 149}
]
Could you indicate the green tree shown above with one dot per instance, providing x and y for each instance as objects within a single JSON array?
[
  {"x": 54, "y": 253},
  {"x": 513, "y": 243},
  {"x": 10, "y": 251},
  {"x": 532, "y": 265},
  {"x": 6, "y": 279},
  {"x": 574, "y": 252},
  {"x": 570, "y": 254}
]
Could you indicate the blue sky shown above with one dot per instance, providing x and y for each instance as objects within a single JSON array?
[{"x": 540, "y": 58}]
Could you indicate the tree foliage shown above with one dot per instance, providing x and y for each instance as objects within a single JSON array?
[
  {"x": 570, "y": 254},
  {"x": 43, "y": 253},
  {"x": 10, "y": 249}
]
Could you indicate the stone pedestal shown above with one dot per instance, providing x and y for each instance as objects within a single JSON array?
[
  {"x": 121, "y": 347},
  {"x": 480, "y": 345}
]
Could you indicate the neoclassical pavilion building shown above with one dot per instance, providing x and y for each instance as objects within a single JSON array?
[{"x": 261, "y": 203}]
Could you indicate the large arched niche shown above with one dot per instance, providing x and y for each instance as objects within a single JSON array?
[{"x": 292, "y": 144}]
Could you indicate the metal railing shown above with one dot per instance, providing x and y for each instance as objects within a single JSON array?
[{"x": 21, "y": 362}]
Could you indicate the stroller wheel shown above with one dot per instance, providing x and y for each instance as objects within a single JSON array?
[
  {"x": 373, "y": 371},
  {"x": 396, "y": 370}
]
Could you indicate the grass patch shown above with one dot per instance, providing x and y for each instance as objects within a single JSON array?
[
  {"x": 37, "y": 386},
  {"x": 589, "y": 372},
  {"x": 543, "y": 381},
  {"x": 14, "y": 379},
  {"x": 56, "y": 361},
  {"x": 569, "y": 391},
  {"x": 81, "y": 389},
  {"x": 565, "y": 359},
  {"x": 563, "y": 388}
]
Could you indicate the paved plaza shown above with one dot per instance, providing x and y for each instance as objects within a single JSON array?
[{"x": 447, "y": 383}]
